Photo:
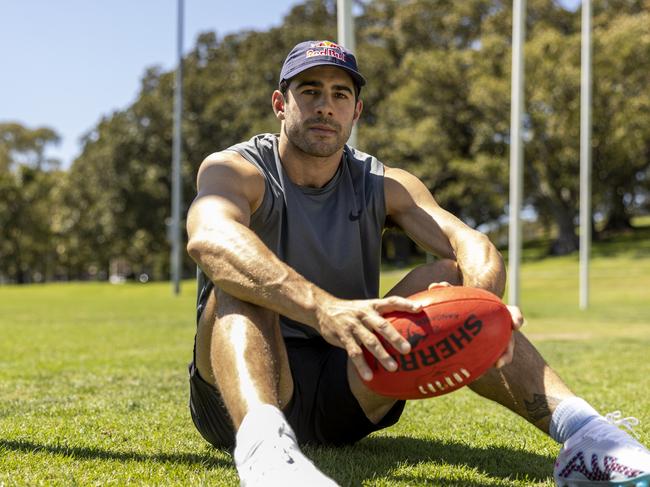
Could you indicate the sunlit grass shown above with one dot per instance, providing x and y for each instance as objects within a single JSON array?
[{"x": 93, "y": 386}]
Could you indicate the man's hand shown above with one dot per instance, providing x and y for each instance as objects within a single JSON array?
[
  {"x": 350, "y": 325},
  {"x": 517, "y": 322}
]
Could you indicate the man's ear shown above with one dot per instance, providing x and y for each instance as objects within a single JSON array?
[
  {"x": 358, "y": 109},
  {"x": 278, "y": 102}
]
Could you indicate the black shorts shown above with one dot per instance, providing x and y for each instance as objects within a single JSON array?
[{"x": 322, "y": 410}]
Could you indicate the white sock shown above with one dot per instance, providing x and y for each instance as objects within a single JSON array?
[
  {"x": 260, "y": 423},
  {"x": 570, "y": 415}
]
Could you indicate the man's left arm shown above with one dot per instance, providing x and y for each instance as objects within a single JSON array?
[{"x": 410, "y": 204}]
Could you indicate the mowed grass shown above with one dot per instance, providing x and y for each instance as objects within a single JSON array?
[{"x": 93, "y": 386}]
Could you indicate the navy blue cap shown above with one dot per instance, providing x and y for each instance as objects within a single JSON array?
[{"x": 320, "y": 53}]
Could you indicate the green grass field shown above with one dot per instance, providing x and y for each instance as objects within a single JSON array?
[{"x": 93, "y": 386}]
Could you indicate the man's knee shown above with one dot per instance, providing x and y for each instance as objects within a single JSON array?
[
  {"x": 443, "y": 270},
  {"x": 225, "y": 311},
  {"x": 374, "y": 406},
  {"x": 229, "y": 309},
  {"x": 418, "y": 279}
]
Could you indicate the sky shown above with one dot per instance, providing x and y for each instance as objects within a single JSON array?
[{"x": 65, "y": 64}]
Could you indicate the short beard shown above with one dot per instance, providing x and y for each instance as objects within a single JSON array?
[{"x": 298, "y": 135}]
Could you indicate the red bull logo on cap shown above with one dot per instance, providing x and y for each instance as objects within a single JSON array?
[
  {"x": 326, "y": 44},
  {"x": 326, "y": 48}
]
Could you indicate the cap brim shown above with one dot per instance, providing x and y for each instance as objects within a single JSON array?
[{"x": 358, "y": 79}]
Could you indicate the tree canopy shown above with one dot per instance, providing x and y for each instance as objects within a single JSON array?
[{"x": 437, "y": 104}]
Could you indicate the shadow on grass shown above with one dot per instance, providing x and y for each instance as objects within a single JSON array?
[
  {"x": 372, "y": 458},
  {"x": 379, "y": 457},
  {"x": 90, "y": 453}
]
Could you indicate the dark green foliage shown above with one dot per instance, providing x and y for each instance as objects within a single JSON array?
[
  {"x": 437, "y": 104},
  {"x": 28, "y": 204}
]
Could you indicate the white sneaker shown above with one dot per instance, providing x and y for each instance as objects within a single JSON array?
[
  {"x": 600, "y": 453},
  {"x": 274, "y": 459}
]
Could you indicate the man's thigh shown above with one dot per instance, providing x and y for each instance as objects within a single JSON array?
[
  {"x": 222, "y": 309},
  {"x": 207, "y": 405}
]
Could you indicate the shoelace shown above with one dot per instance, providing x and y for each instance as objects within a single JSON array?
[{"x": 615, "y": 418}]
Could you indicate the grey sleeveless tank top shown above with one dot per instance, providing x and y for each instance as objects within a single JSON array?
[{"x": 330, "y": 235}]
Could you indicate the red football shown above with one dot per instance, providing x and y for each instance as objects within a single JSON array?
[{"x": 455, "y": 339}]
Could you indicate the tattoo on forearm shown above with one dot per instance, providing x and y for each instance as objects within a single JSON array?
[{"x": 541, "y": 407}]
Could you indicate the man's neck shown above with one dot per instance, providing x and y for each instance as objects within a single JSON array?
[{"x": 304, "y": 169}]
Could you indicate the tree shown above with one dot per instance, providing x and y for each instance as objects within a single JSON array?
[
  {"x": 437, "y": 103},
  {"x": 26, "y": 206},
  {"x": 20, "y": 145},
  {"x": 621, "y": 150},
  {"x": 428, "y": 101},
  {"x": 117, "y": 198},
  {"x": 443, "y": 106}
]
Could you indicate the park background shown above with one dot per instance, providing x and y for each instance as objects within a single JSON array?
[
  {"x": 437, "y": 104},
  {"x": 92, "y": 374}
]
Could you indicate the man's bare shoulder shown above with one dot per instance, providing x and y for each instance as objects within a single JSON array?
[
  {"x": 395, "y": 175},
  {"x": 228, "y": 161},
  {"x": 403, "y": 190},
  {"x": 229, "y": 174}
]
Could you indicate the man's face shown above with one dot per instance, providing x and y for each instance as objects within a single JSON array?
[{"x": 320, "y": 110}]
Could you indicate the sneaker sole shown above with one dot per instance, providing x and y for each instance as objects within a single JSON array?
[{"x": 641, "y": 481}]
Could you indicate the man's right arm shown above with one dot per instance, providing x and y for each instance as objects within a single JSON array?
[
  {"x": 235, "y": 259},
  {"x": 229, "y": 252}
]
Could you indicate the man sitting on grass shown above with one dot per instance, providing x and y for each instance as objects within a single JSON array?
[{"x": 286, "y": 230}]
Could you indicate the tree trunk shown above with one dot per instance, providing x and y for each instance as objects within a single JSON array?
[
  {"x": 618, "y": 219},
  {"x": 567, "y": 240}
]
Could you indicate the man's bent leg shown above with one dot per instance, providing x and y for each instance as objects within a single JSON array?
[
  {"x": 240, "y": 351},
  {"x": 595, "y": 451},
  {"x": 527, "y": 386},
  {"x": 594, "y": 448},
  {"x": 374, "y": 405}
]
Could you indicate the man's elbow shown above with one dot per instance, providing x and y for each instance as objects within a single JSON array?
[
  {"x": 198, "y": 248},
  {"x": 494, "y": 269},
  {"x": 499, "y": 269}
]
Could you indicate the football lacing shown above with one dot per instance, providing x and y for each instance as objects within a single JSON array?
[{"x": 439, "y": 386}]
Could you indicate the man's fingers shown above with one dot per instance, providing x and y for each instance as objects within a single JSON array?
[
  {"x": 367, "y": 339},
  {"x": 397, "y": 303},
  {"x": 356, "y": 356},
  {"x": 434, "y": 285},
  {"x": 388, "y": 331},
  {"x": 517, "y": 317},
  {"x": 517, "y": 322},
  {"x": 375, "y": 347}
]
